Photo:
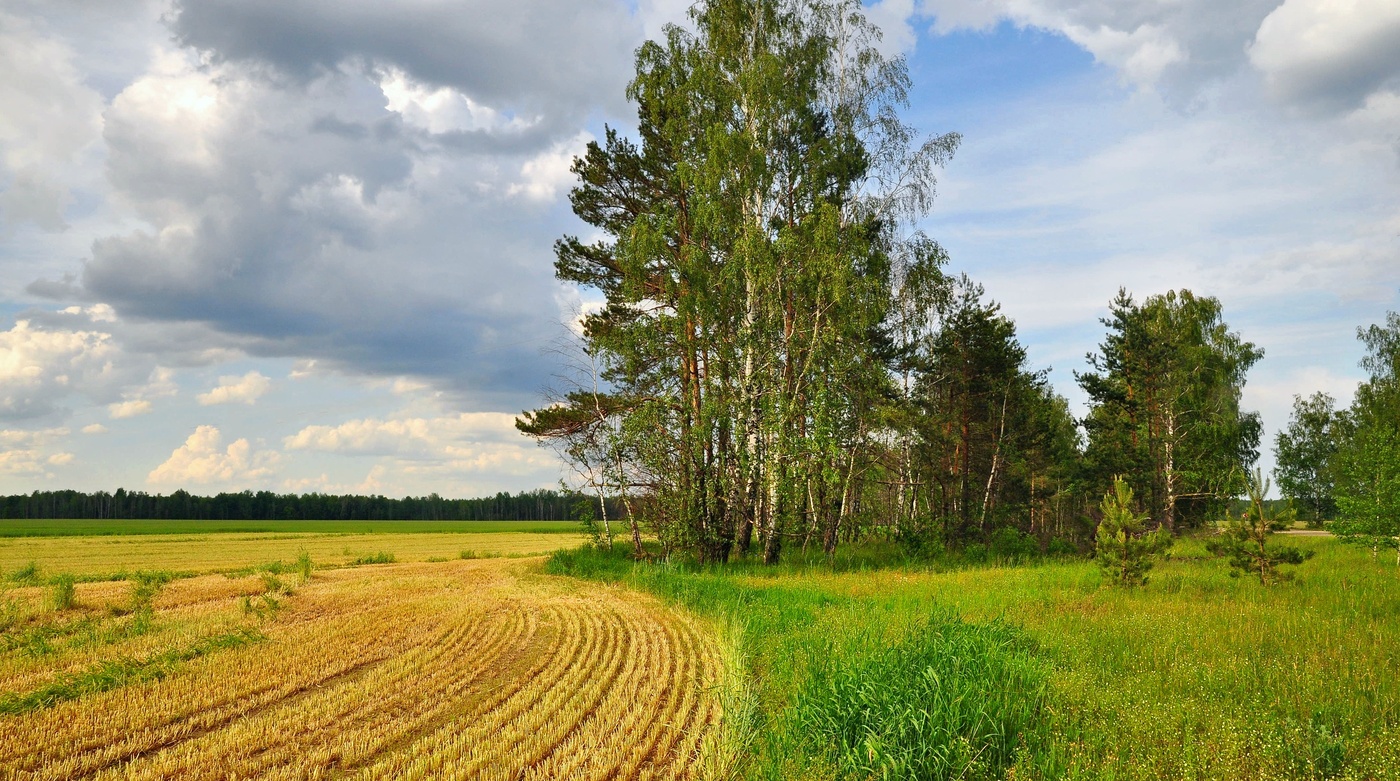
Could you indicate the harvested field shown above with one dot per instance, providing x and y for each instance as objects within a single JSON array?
[
  {"x": 105, "y": 556},
  {"x": 461, "y": 669}
]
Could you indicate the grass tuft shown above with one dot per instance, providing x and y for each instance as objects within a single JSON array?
[{"x": 382, "y": 557}]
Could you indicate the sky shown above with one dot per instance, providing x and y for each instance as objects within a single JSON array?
[{"x": 306, "y": 245}]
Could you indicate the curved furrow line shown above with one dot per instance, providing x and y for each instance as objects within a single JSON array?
[
  {"x": 297, "y": 731},
  {"x": 81, "y": 737},
  {"x": 581, "y": 707},
  {"x": 435, "y": 752},
  {"x": 519, "y": 720},
  {"x": 590, "y": 749}
]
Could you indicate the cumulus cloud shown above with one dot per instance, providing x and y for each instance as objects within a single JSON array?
[
  {"x": 1327, "y": 52},
  {"x": 1177, "y": 47},
  {"x": 237, "y": 390},
  {"x": 94, "y": 428},
  {"x": 314, "y": 221},
  {"x": 202, "y": 460},
  {"x": 39, "y": 367},
  {"x": 410, "y": 437},
  {"x": 27, "y": 454},
  {"x": 129, "y": 409}
]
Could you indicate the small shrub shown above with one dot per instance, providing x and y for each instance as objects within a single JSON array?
[
  {"x": 975, "y": 553},
  {"x": 1058, "y": 546},
  {"x": 1009, "y": 544},
  {"x": 61, "y": 597},
  {"x": 145, "y": 586},
  {"x": 274, "y": 585},
  {"x": 382, "y": 557}
]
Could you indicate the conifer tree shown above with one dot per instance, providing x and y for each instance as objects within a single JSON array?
[
  {"x": 1246, "y": 539},
  {"x": 1122, "y": 547}
]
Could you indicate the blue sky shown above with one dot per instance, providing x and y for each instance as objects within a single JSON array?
[{"x": 306, "y": 245}]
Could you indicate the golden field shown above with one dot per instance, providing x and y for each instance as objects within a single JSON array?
[
  {"x": 202, "y": 553},
  {"x": 460, "y": 669}
]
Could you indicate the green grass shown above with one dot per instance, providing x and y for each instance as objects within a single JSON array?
[
  {"x": 87, "y": 527},
  {"x": 382, "y": 557},
  {"x": 115, "y": 673},
  {"x": 1045, "y": 672}
]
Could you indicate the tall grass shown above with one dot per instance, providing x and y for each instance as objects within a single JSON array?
[{"x": 1196, "y": 675}]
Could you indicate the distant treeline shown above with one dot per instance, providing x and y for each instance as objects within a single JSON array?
[{"x": 540, "y": 505}]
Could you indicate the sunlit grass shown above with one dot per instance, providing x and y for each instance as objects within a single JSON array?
[{"x": 1196, "y": 675}]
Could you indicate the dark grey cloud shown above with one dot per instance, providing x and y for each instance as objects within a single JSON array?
[{"x": 551, "y": 59}]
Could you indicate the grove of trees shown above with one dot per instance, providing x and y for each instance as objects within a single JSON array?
[
  {"x": 1342, "y": 466},
  {"x": 783, "y": 360}
]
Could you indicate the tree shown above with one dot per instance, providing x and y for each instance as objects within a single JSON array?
[
  {"x": 1303, "y": 455},
  {"x": 1367, "y": 461},
  {"x": 1165, "y": 405},
  {"x": 1123, "y": 548},
  {"x": 1246, "y": 538},
  {"x": 753, "y": 240},
  {"x": 987, "y": 425}
]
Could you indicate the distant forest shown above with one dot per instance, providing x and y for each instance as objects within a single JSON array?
[{"x": 539, "y": 505}]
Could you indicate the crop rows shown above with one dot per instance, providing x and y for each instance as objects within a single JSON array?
[{"x": 467, "y": 669}]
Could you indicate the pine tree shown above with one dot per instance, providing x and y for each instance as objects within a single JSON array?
[
  {"x": 1246, "y": 539},
  {"x": 1122, "y": 547}
]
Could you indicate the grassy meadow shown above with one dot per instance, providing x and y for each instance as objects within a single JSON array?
[{"x": 1043, "y": 671}]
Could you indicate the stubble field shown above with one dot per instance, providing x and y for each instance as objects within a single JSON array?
[{"x": 481, "y": 668}]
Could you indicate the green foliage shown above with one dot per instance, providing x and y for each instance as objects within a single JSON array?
[
  {"x": 1195, "y": 675},
  {"x": 382, "y": 557},
  {"x": 1123, "y": 549},
  {"x": 62, "y": 592},
  {"x": 1165, "y": 406},
  {"x": 304, "y": 566},
  {"x": 28, "y": 575},
  {"x": 750, "y": 241},
  {"x": 1245, "y": 539},
  {"x": 145, "y": 586},
  {"x": 1304, "y": 455},
  {"x": 952, "y": 700},
  {"x": 1367, "y": 462},
  {"x": 274, "y": 585},
  {"x": 87, "y": 527}
]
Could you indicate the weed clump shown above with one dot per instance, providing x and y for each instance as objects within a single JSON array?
[
  {"x": 28, "y": 575},
  {"x": 952, "y": 700},
  {"x": 63, "y": 593},
  {"x": 382, "y": 557}
]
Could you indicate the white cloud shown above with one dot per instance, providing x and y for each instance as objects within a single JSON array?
[
  {"x": 415, "y": 436},
  {"x": 201, "y": 461},
  {"x": 129, "y": 408},
  {"x": 94, "y": 428},
  {"x": 38, "y": 367},
  {"x": 49, "y": 117},
  {"x": 237, "y": 390},
  {"x": 25, "y": 453},
  {"x": 544, "y": 176},
  {"x": 1330, "y": 51}
]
